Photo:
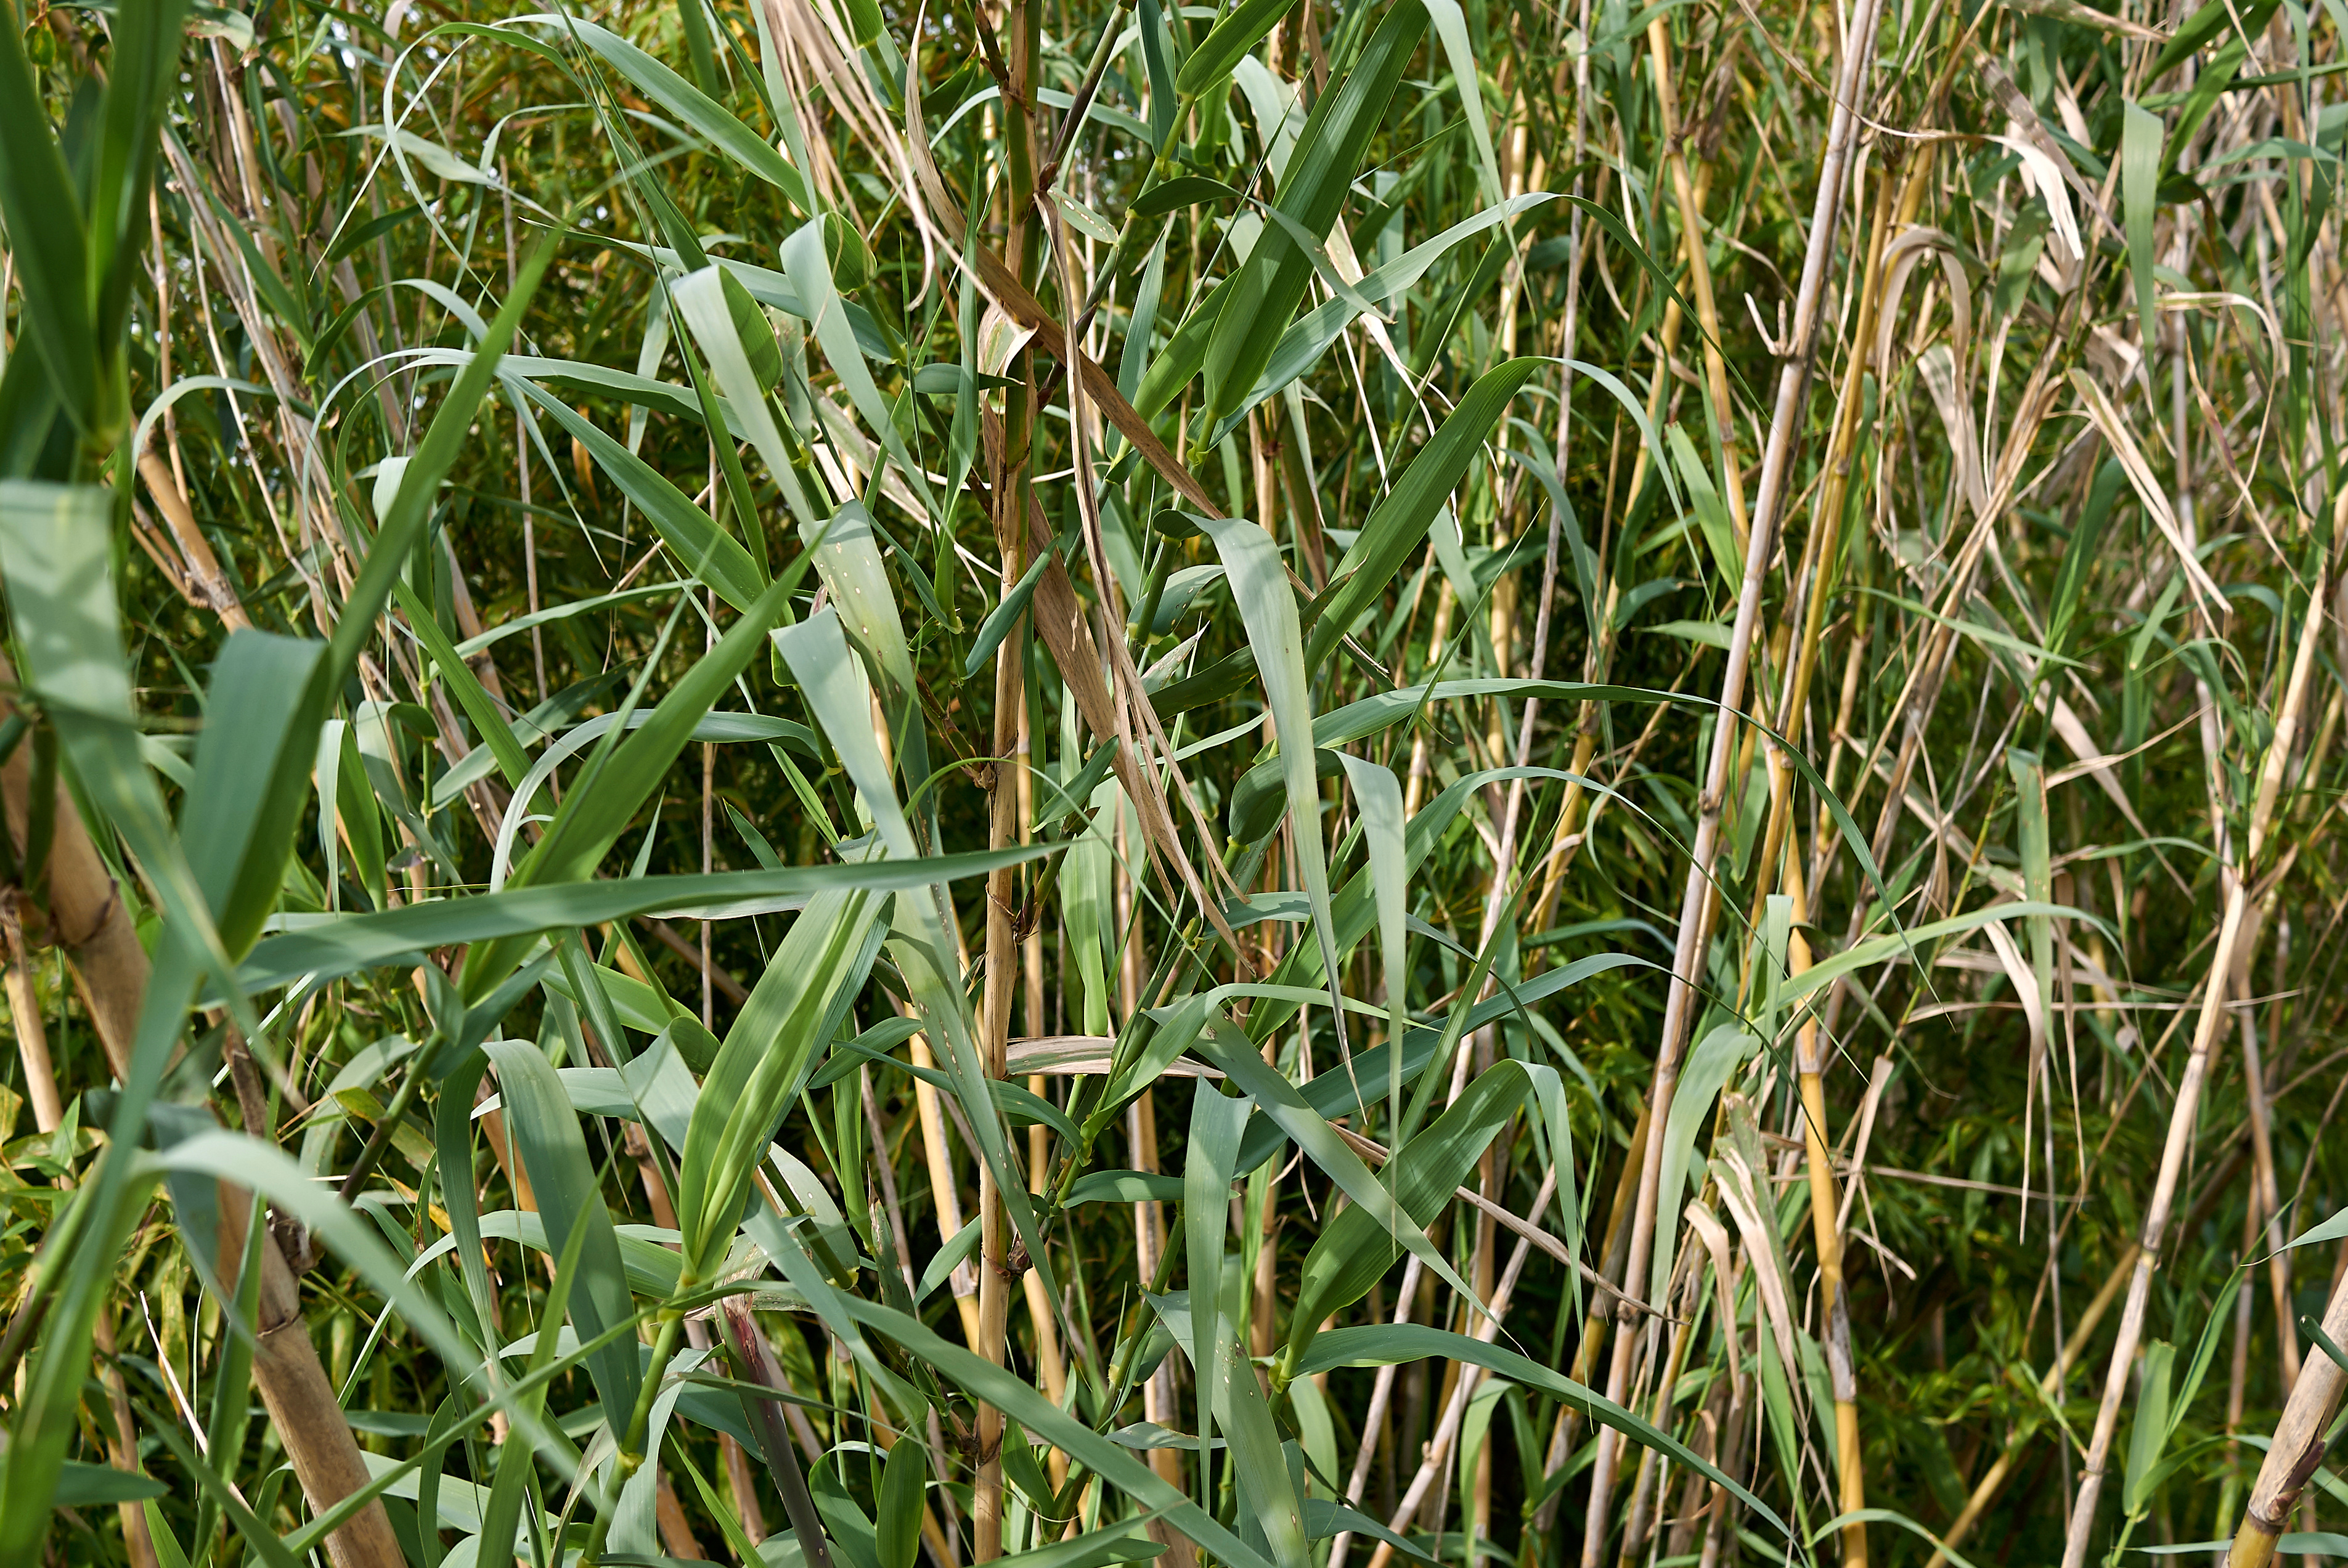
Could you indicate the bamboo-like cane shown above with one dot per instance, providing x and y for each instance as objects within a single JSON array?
[
  {"x": 1808, "y": 603},
  {"x": 1648, "y": 1484},
  {"x": 203, "y": 568},
  {"x": 1593, "y": 1326},
  {"x": 86, "y": 915},
  {"x": 1707, "y": 317},
  {"x": 2197, "y": 1069},
  {"x": 1381, "y": 1401},
  {"x": 304, "y": 1412},
  {"x": 122, "y": 1446},
  {"x": 24, "y": 1012},
  {"x": 2237, "y": 1374},
  {"x": 1775, "y": 461},
  {"x": 2265, "y": 1199},
  {"x": 89, "y": 918},
  {"x": 938, "y": 1155},
  {"x": 1826, "y": 1227},
  {"x": 49, "y": 1113},
  {"x": 1498, "y": 893},
  {"x": 1002, "y": 977},
  {"x": 2297, "y": 1446},
  {"x": 1438, "y": 1449},
  {"x": 1149, "y": 1254},
  {"x": 1030, "y": 952}
]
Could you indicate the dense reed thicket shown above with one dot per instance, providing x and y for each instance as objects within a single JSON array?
[{"x": 662, "y": 875}]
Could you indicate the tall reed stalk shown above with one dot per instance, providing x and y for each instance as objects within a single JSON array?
[{"x": 1286, "y": 784}]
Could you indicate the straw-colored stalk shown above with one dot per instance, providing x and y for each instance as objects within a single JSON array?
[
  {"x": 1002, "y": 979},
  {"x": 1436, "y": 1459},
  {"x": 2266, "y": 1193},
  {"x": 1381, "y": 1403},
  {"x": 1600, "y": 1316},
  {"x": 2186, "y": 1107},
  {"x": 1692, "y": 245},
  {"x": 303, "y": 1413},
  {"x": 1819, "y": 548},
  {"x": 1647, "y": 1487},
  {"x": 2297, "y": 1446},
  {"x": 201, "y": 567},
  {"x": 24, "y": 1013},
  {"x": 89, "y": 918},
  {"x": 937, "y": 1155},
  {"x": 122, "y": 1446},
  {"x": 48, "y": 1114},
  {"x": 1826, "y": 1227},
  {"x": 1565, "y": 839},
  {"x": 86, "y": 917},
  {"x": 1031, "y": 953},
  {"x": 1697, "y": 894},
  {"x": 1021, "y": 39}
]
